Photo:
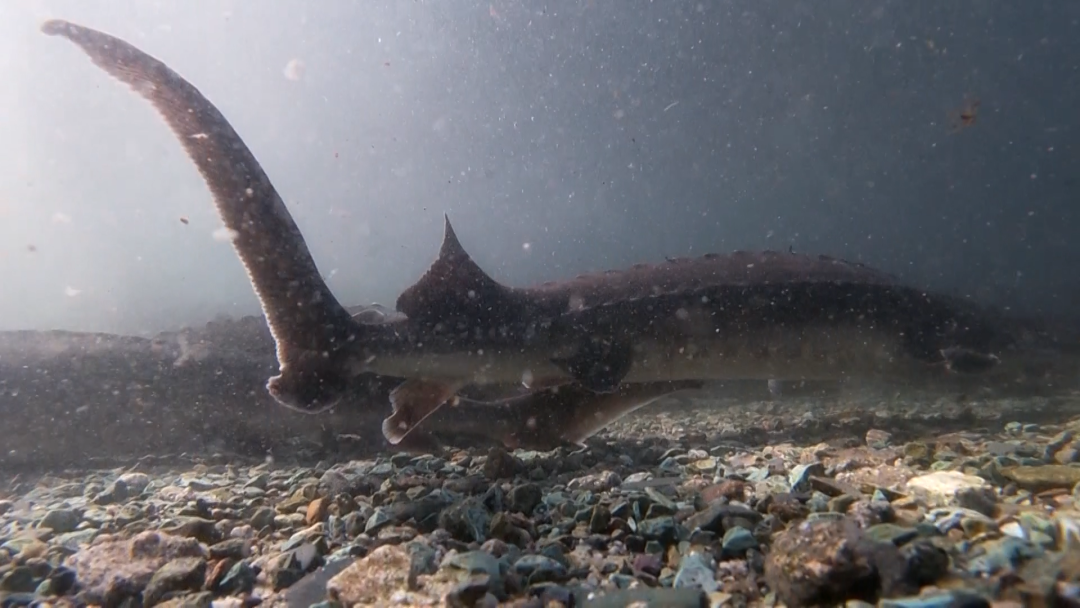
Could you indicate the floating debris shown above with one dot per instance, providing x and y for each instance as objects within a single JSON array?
[{"x": 294, "y": 69}]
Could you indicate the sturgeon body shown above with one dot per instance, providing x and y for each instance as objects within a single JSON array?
[{"x": 589, "y": 349}]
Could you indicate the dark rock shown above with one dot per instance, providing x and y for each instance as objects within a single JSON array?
[
  {"x": 500, "y": 464},
  {"x": 203, "y": 599},
  {"x": 17, "y": 600},
  {"x": 494, "y": 499},
  {"x": 786, "y": 508},
  {"x": 1052, "y": 579},
  {"x": 523, "y": 498},
  {"x": 60, "y": 520},
  {"x": 306, "y": 592},
  {"x": 550, "y": 593},
  {"x": 424, "y": 559},
  {"x": 116, "y": 492},
  {"x": 262, "y": 517},
  {"x": 201, "y": 529},
  {"x": 469, "y": 592},
  {"x": 61, "y": 580},
  {"x": 502, "y": 527},
  {"x": 39, "y": 567},
  {"x": 234, "y": 548},
  {"x": 1006, "y": 553},
  {"x": 554, "y": 550},
  {"x": 539, "y": 569},
  {"x": 239, "y": 579},
  {"x": 737, "y": 541},
  {"x": 183, "y": 574},
  {"x": 833, "y": 488},
  {"x": 467, "y": 520},
  {"x": 712, "y": 518},
  {"x": 291, "y": 566},
  {"x": 599, "y": 519},
  {"x": 425, "y": 511},
  {"x": 661, "y": 529},
  {"x": 470, "y": 564},
  {"x": 18, "y": 580},
  {"x": 830, "y": 562},
  {"x": 926, "y": 562}
]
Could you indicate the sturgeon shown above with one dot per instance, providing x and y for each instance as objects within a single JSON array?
[{"x": 605, "y": 342}]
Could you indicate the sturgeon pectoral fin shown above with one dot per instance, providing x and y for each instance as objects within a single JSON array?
[
  {"x": 310, "y": 328},
  {"x": 413, "y": 401},
  {"x": 598, "y": 365},
  {"x": 547, "y": 419}
]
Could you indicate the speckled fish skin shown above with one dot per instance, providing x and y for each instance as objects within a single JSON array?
[{"x": 766, "y": 315}]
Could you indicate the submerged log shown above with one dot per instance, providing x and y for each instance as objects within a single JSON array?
[
  {"x": 67, "y": 397},
  {"x": 70, "y": 399}
]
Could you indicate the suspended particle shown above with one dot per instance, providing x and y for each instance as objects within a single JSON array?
[{"x": 294, "y": 70}]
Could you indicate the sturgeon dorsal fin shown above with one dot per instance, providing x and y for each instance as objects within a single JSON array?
[{"x": 454, "y": 286}]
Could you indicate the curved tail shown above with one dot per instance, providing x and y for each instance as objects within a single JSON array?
[{"x": 311, "y": 330}]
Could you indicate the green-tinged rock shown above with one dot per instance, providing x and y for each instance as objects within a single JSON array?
[
  {"x": 1044, "y": 477},
  {"x": 539, "y": 569},
  {"x": 892, "y": 533},
  {"x": 953, "y": 599},
  {"x": 18, "y": 580},
  {"x": 182, "y": 574},
  {"x": 1006, "y": 553},
  {"x": 649, "y": 598},
  {"x": 60, "y": 520},
  {"x": 737, "y": 541}
]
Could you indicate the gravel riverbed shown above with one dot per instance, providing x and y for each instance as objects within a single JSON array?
[{"x": 935, "y": 503}]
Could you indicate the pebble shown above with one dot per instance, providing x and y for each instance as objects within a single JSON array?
[
  {"x": 953, "y": 488},
  {"x": 60, "y": 520},
  {"x": 660, "y": 519},
  {"x": 1043, "y": 477}
]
